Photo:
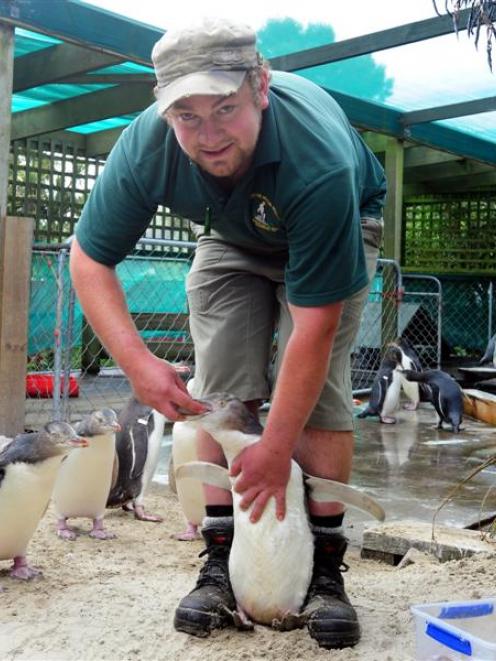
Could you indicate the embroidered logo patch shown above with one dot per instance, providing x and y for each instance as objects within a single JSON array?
[{"x": 264, "y": 214}]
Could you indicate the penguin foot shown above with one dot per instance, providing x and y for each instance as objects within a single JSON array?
[
  {"x": 410, "y": 406},
  {"x": 189, "y": 535},
  {"x": 141, "y": 515},
  {"x": 100, "y": 533},
  {"x": 242, "y": 621},
  {"x": 289, "y": 622},
  {"x": 64, "y": 532},
  {"x": 388, "y": 420},
  {"x": 21, "y": 570}
]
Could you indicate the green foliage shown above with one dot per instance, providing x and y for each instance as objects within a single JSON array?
[
  {"x": 360, "y": 76},
  {"x": 482, "y": 17}
]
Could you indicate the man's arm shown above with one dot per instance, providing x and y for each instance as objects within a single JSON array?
[
  {"x": 154, "y": 381},
  {"x": 265, "y": 466}
]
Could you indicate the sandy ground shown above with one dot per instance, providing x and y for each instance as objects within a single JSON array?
[{"x": 115, "y": 599}]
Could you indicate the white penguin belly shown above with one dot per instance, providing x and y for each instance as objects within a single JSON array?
[
  {"x": 83, "y": 483},
  {"x": 152, "y": 455},
  {"x": 392, "y": 396},
  {"x": 271, "y": 561},
  {"x": 24, "y": 495},
  {"x": 189, "y": 491}
]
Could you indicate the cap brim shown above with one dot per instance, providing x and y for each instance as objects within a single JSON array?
[{"x": 201, "y": 82}]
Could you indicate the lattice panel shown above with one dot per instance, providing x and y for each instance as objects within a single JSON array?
[
  {"x": 50, "y": 180},
  {"x": 455, "y": 234}
]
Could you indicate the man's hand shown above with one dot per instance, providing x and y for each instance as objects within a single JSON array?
[
  {"x": 263, "y": 474},
  {"x": 157, "y": 384}
]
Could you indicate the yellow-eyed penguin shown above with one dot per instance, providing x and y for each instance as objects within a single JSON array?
[
  {"x": 83, "y": 482},
  {"x": 28, "y": 469},
  {"x": 137, "y": 447},
  {"x": 189, "y": 491},
  {"x": 271, "y": 561}
]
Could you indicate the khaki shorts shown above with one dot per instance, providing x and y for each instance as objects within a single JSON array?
[{"x": 237, "y": 300}]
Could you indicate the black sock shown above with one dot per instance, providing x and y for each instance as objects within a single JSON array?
[
  {"x": 335, "y": 521},
  {"x": 218, "y": 510}
]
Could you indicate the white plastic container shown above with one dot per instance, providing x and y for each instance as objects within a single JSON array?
[{"x": 456, "y": 630}]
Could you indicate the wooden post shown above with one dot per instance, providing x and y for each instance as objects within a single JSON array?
[
  {"x": 393, "y": 210},
  {"x": 14, "y": 309},
  {"x": 393, "y": 216},
  {"x": 6, "y": 74}
]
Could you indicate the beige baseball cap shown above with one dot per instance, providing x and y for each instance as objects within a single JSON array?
[{"x": 211, "y": 57}]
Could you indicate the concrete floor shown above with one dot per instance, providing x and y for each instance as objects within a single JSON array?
[{"x": 409, "y": 467}]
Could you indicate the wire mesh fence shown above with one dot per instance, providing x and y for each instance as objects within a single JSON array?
[{"x": 70, "y": 373}]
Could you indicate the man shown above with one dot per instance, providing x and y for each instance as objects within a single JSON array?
[{"x": 288, "y": 187}]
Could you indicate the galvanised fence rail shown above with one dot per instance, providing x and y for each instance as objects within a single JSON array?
[{"x": 70, "y": 374}]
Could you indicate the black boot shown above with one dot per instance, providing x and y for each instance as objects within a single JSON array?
[
  {"x": 210, "y": 604},
  {"x": 332, "y": 620}
]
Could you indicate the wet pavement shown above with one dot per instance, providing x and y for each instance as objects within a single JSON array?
[{"x": 411, "y": 466}]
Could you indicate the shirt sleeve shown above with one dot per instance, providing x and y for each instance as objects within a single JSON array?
[
  {"x": 326, "y": 256},
  {"x": 117, "y": 211}
]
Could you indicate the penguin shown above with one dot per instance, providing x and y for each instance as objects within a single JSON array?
[
  {"x": 270, "y": 562},
  {"x": 189, "y": 491},
  {"x": 447, "y": 396},
  {"x": 490, "y": 353},
  {"x": 385, "y": 394},
  {"x": 28, "y": 469},
  {"x": 416, "y": 392},
  {"x": 137, "y": 453},
  {"x": 83, "y": 482}
]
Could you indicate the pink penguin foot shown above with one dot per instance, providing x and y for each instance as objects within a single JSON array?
[
  {"x": 387, "y": 420},
  {"x": 141, "y": 515},
  {"x": 410, "y": 406},
  {"x": 64, "y": 532},
  {"x": 21, "y": 570},
  {"x": 99, "y": 532},
  {"x": 189, "y": 535}
]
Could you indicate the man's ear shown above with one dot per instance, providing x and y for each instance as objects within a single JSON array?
[{"x": 264, "y": 89}]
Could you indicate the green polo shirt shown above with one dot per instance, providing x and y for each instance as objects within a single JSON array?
[{"x": 311, "y": 180}]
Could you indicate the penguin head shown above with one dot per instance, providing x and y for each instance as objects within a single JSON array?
[
  {"x": 61, "y": 436},
  {"x": 226, "y": 412},
  {"x": 103, "y": 421}
]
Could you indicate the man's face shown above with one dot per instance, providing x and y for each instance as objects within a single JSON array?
[{"x": 220, "y": 133}]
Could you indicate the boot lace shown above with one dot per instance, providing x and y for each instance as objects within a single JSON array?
[{"x": 215, "y": 570}]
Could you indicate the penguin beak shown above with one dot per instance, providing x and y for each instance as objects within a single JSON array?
[
  {"x": 78, "y": 442},
  {"x": 195, "y": 416}
]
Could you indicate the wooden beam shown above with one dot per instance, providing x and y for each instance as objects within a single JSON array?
[
  {"x": 52, "y": 64},
  {"x": 110, "y": 79},
  {"x": 368, "y": 43},
  {"x": 449, "y": 111},
  {"x": 82, "y": 109},
  {"x": 84, "y": 24},
  {"x": 394, "y": 200},
  {"x": 419, "y": 156},
  {"x": 100, "y": 143},
  {"x": 460, "y": 168},
  {"x": 14, "y": 314}
]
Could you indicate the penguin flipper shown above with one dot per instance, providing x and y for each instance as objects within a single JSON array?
[
  {"x": 216, "y": 476},
  {"x": 325, "y": 491}
]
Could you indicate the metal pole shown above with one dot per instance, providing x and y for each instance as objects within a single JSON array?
[
  {"x": 67, "y": 355},
  {"x": 57, "y": 361}
]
